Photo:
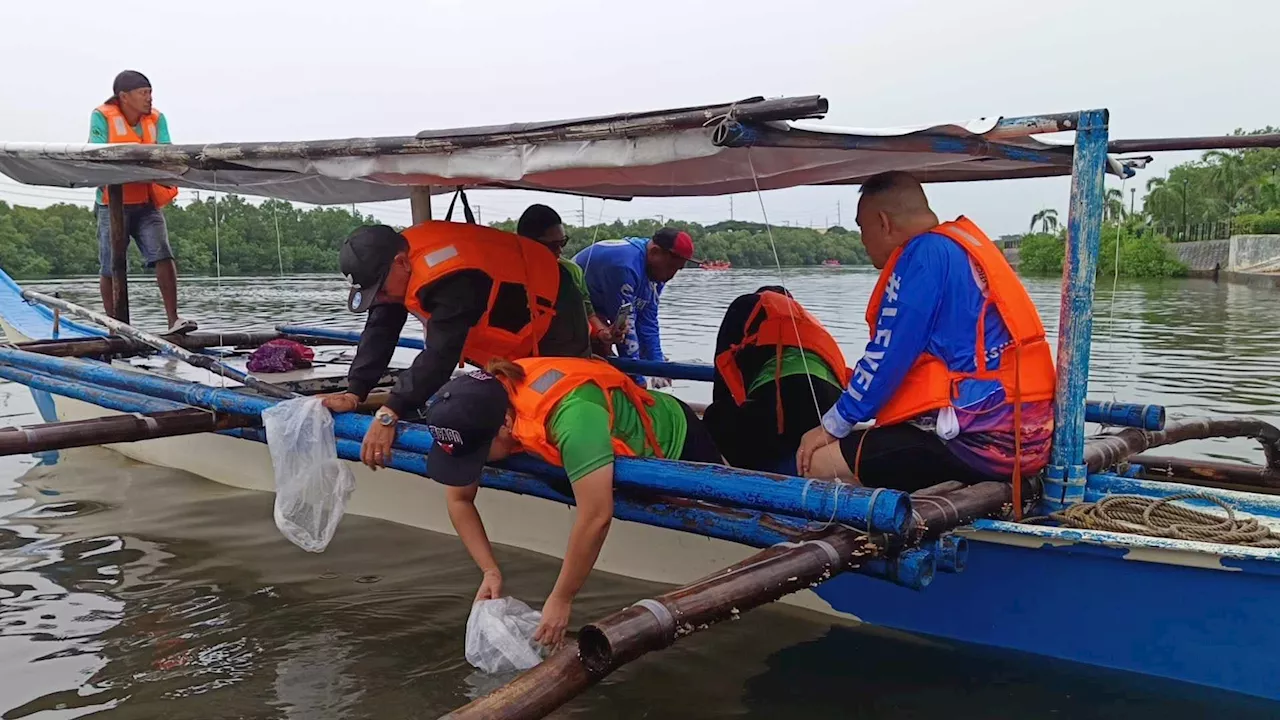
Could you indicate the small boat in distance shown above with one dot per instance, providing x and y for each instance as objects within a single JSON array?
[
  {"x": 717, "y": 265},
  {"x": 831, "y": 262}
]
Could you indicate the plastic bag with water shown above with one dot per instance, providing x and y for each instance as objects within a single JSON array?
[
  {"x": 312, "y": 484},
  {"x": 500, "y": 636}
]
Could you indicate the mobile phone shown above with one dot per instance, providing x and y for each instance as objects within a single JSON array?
[{"x": 624, "y": 316}]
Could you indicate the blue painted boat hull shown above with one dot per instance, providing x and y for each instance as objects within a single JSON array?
[{"x": 1092, "y": 605}]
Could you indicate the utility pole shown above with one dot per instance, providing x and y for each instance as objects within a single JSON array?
[
  {"x": 1185, "y": 230},
  {"x": 479, "y": 217},
  {"x": 1133, "y": 196},
  {"x": 582, "y": 212},
  {"x": 841, "y": 224},
  {"x": 730, "y": 207}
]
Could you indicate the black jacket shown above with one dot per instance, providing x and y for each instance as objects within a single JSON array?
[{"x": 456, "y": 303}]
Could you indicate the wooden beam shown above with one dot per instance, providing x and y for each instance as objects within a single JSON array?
[{"x": 119, "y": 253}]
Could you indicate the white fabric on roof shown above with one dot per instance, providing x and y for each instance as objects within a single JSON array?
[{"x": 674, "y": 163}]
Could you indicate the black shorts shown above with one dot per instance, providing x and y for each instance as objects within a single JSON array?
[
  {"x": 698, "y": 444},
  {"x": 904, "y": 457},
  {"x": 748, "y": 433}
]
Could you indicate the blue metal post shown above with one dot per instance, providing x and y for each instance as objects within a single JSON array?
[{"x": 1066, "y": 473}]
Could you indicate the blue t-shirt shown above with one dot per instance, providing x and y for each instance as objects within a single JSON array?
[
  {"x": 913, "y": 319},
  {"x": 615, "y": 273}
]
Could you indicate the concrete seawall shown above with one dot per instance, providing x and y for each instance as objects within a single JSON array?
[{"x": 1240, "y": 254}]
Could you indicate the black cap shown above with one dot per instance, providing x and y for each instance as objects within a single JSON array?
[
  {"x": 365, "y": 259},
  {"x": 463, "y": 418}
]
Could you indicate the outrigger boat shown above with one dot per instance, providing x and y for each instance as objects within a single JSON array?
[{"x": 1159, "y": 603}]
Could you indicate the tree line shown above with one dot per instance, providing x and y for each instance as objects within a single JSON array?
[
  {"x": 1230, "y": 191},
  {"x": 276, "y": 237}
]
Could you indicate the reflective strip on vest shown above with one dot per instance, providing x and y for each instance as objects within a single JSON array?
[
  {"x": 436, "y": 257},
  {"x": 546, "y": 381}
]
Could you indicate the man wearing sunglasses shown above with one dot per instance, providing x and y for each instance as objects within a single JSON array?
[{"x": 542, "y": 224}]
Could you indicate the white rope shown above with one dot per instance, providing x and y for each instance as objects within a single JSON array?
[
  {"x": 279, "y": 255},
  {"x": 1115, "y": 282},
  {"x": 804, "y": 357},
  {"x": 217, "y": 260}
]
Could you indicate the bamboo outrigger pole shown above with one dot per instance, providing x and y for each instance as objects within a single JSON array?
[
  {"x": 656, "y": 623},
  {"x": 201, "y": 361},
  {"x": 119, "y": 253},
  {"x": 116, "y": 429}
]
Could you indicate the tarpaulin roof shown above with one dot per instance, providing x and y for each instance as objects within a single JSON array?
[{"x": 707, "y": 150}]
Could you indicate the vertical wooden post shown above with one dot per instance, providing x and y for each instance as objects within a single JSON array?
[
  {"x": 420, "y": 203},
  {"x": 119, "y": 253},
  {"x": 1066, "y": 475}
]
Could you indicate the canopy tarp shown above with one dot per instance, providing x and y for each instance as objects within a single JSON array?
[{"x": 709, "y": 150}]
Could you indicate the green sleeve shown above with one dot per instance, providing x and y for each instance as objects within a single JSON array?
[
  {"x": 579, "y": 428},
  {"x": 580, "y": 280},
  {"x": 98, "y": 127},
  {"x": 162, "y": 131}
]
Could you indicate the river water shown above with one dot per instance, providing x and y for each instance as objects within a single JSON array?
[{"x": 132, "y": 591}]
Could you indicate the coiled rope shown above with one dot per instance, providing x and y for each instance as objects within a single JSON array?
[{"x": 1160, "y": 517}]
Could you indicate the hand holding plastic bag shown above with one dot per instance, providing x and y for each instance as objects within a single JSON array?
[
  {"x": 312, "y": 484},
  {"x": 500, "y": 636}
]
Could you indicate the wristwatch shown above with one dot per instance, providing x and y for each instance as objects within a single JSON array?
[{"x": 385, "y": 417}]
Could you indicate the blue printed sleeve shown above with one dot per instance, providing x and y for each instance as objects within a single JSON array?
[
  {"x": 646, "y": 325},
  {"x": 903, "y": 330}
]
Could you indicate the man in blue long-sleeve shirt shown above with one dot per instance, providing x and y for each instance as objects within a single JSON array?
[
  {"x": 941, "y": 411},
  {"x": 633, "y": 271}
]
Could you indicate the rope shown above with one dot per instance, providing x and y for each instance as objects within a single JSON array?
[
  {"x": 1115, "y": 283},
  {"x": 795, "y": 326},
  {"x": 1159, "y": 517},
  {"x": 279, "y": 254}
]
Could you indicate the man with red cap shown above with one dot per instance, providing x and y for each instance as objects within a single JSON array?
[{"x": 632, "y": 272}]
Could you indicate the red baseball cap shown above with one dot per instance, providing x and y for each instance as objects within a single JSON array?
[{"x": 676, "y": 242}]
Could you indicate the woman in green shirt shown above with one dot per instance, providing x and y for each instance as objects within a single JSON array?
[{"x": 572, "y": 412}]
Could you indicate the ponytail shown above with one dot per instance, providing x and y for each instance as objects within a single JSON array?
[{"x": 504, "y": 369}]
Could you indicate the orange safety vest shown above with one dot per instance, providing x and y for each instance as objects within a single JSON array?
[
  {"x": 785, "y": 323},
  {"x": 439, "y": 248},
  {"x": 548, "y": 380},
  {"x": 120, "y": 131},
  {"x": 1026, "y": 365}
]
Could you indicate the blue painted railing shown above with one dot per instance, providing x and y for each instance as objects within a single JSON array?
[
  {"x": 880, "y": 510},
  {"x": 1066, "y": 474},
  {"x": 1147, "y": 417},
  {"x": 912, "y": 568}
]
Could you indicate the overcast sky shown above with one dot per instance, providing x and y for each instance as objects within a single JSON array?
[{"x": 245, "y": 71}]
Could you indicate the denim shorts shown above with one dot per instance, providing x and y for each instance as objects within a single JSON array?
[{"x": 145, "y": 225}]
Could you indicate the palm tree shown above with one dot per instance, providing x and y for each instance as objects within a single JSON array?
[
  {"x": 1114, "y": 210},
  {"x": 1269, "y": 194},
  {"x": 1047, "y": 219},
  {"x": 1230, "y": 177}
]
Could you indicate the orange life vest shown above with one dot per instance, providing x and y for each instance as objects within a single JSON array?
[
  {"x": 548, "y": 380},
  {"x": 120, "y": 131},
  {"x": 1026, "y": 365},
  {"x": 514, "y": 263},
  {"x": 785, "y": 323}
]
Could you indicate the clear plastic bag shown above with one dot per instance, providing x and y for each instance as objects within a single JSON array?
[
  {"x": 312, "y": 484},
  {"x": 500, "y": 636}
]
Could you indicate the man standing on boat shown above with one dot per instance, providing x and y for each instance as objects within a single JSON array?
[
  {"x": 631, "y": 272},
  {"x": 542, "y": 223},
  {"x": 957, "y": 375},
  {"x": 480, "y": 294},
  {"x": 128, "y": 117}
]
